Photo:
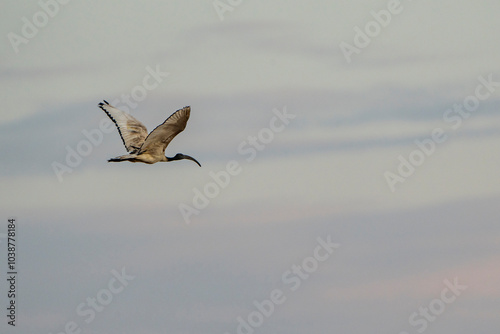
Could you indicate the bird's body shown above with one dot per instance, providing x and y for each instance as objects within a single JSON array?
[{"x": 144, "y": 147}]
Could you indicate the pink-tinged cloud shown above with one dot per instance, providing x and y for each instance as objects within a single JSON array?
[{"x": 480, "y": 277}]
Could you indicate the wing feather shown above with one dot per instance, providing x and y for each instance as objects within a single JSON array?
[
  {"x": 157, "y": 141},
  {"x": 132, "y": 132}
]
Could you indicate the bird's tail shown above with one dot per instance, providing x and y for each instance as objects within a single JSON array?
[{"x": 126, "y": 157}]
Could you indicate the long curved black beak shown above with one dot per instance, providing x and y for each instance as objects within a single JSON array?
[{"x": 190, "y": 158}]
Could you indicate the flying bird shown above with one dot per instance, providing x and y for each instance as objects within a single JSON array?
[{"x": 146, "y": 148}]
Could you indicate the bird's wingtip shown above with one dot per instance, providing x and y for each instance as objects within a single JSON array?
[{"x": 100, "y": 104}]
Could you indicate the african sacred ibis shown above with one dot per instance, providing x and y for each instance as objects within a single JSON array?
[{"x": 142, "y": 147}]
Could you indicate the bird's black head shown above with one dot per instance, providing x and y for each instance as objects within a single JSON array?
[{"x": 180, "y": 156}]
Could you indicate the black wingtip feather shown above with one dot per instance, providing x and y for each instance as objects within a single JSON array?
[{"x": 102, "y": 104}]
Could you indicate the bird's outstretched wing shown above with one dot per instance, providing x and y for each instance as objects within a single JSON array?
[
  {"x": 157, "y": 141},
  {"x": 131, "y": 130}
]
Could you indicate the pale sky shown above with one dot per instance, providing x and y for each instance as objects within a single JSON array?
[{"x": 391, "y": 151}]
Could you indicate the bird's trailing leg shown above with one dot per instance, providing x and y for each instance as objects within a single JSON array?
[{"x": 127, "y": 157}]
